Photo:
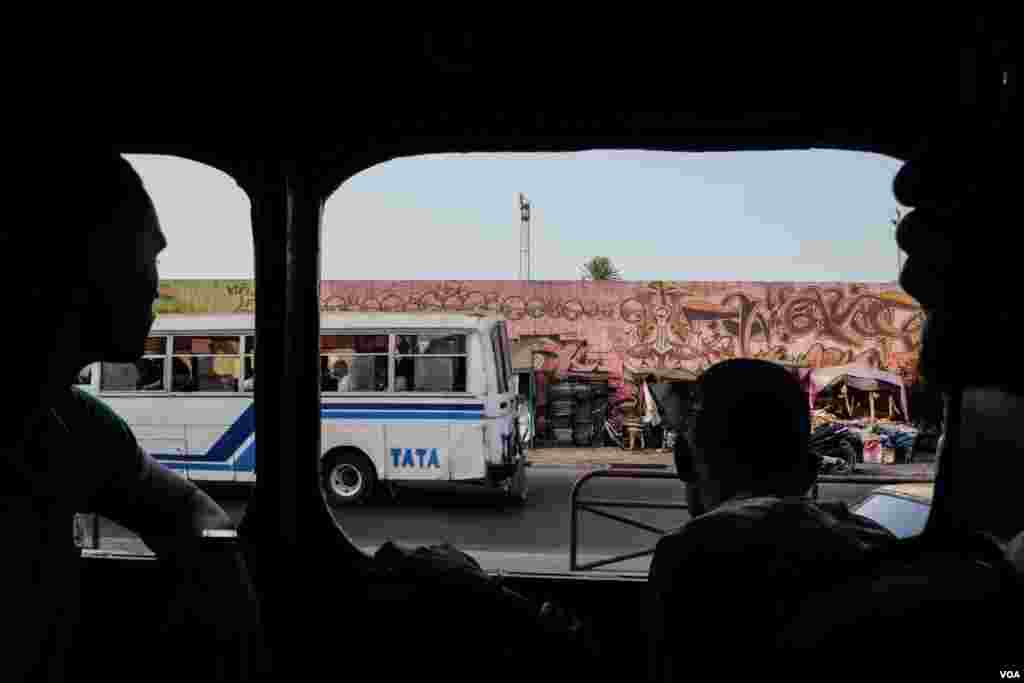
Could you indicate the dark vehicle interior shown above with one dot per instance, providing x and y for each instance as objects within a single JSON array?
[{"x": 868, "y": 85}]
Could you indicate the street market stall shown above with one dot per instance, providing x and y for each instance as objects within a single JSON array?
[{"x": 853, "y": 390}]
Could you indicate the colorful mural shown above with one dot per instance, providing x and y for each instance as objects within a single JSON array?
[{"x": 615, "y": 326}]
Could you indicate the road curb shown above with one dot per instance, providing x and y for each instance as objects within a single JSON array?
[
  {"x": 560, "y": 466},
  {"x": 642, "y": 466},
  {"x": 605, "y": 465}
]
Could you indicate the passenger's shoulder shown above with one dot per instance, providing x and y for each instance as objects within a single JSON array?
[
  {"x": 1015, "y": 552},
  {"x": 719, "y": 528},
  {"x": 91, "y": 413}
]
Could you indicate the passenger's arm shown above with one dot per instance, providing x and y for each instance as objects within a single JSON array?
[
  {"x": 167, "y": 511},
  {"x": 212, "y": 592}
]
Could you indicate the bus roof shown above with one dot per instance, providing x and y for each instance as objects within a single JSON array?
[{"x": 235, "y": 322}]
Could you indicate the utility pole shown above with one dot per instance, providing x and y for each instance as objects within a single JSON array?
[{"x": 524, "y": 238}]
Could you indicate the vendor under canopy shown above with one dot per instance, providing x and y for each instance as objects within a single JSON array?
[{"x": 857, "y": 377}]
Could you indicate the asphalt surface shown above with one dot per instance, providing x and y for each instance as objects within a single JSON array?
[{"x": 478, "y": 520}]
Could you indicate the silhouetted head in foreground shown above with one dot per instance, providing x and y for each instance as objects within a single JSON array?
[
  {"x": 748, "y": 433},
  {"x": 963, "y": 267},
  {"x": 87, "y": 277}
]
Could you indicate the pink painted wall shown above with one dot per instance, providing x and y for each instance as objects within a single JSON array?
[
  {"x": 636, "y": 325},
  {"x": 688, "y": 325}
]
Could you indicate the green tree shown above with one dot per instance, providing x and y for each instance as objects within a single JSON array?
[{"x": 600, "y": 268}]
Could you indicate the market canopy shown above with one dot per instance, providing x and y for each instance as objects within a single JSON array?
[{"x": 858, "y": 377}]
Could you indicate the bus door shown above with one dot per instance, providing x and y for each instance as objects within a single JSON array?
[{"x": 505, "y": 406}]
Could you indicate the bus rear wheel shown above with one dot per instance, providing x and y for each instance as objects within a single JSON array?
[{"x": 348, "y": 478}]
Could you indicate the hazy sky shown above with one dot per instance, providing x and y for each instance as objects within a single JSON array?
[{"x": 796, "y": 215}]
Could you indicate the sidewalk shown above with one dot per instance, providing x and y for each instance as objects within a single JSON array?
[
  {"x": 652, "y": 458},
  {"x": 591, "y": 457},
  {"x": 917, "y": 469}
]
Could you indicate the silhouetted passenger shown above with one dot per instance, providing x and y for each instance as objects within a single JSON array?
[
  {"x": 755, "y": 541},
  {"x": 63, "y": 451}
]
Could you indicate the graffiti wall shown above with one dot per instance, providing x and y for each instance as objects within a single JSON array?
[{"x": 614, "y": 326}]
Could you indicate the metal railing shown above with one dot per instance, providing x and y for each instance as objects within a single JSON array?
[{"x": 591, "y": 505}]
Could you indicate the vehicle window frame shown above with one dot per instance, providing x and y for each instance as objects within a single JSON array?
[
  {"x": 349, "y": 357},
  {"x": 100, "y": 371},
  {"x": 466, "y": 355},
  {"x": 239, "y": 338}
]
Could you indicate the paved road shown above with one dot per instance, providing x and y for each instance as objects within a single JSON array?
[{"x": 477, "y": 520}]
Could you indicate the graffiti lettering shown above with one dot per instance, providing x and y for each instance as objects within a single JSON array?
[{"x": 632, "y": 325}]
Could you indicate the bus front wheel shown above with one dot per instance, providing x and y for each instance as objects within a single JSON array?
[{"x": 348, "y": 478}]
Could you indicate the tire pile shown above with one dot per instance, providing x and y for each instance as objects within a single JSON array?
[
  {"x": 576, "y": 413},
  {"x": 561, "y": 405},
  {"x": 833, "y": 442}
]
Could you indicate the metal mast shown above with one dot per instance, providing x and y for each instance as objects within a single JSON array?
[{"x": 524, "y": 238}]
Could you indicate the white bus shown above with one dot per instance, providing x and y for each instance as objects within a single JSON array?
[{"x": 405, "y": 397}]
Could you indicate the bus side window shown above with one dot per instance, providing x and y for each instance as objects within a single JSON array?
[
  {"x": 214, "y": 362},
  {"x": 433, "y": 361},
  {"x": 354, "y": 362},
  {"x": 84, "y": 376},
  {"x": 119, "y": 377},
  {"x": 182, "y": 377},
  {"x": 151, "y": 366},
  {"x": 151, "y": 374},
  {"x": 404, "y": 378},
  {"x": 498, "y": 352},
  {"x": 249, "y": 364}
]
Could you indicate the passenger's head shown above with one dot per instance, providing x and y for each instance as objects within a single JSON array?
[
  {"x": 339, "y": 369},
  {"x": 961, "y": 266},
  {"x": 96, "y": 261},
  {"x": 748, "y": 432},
  {"x": 990, "y": 448}
]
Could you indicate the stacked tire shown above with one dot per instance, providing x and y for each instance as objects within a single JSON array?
[
  {"x": 560, "y": 413},
  {"x": 583, "y": 420},
  {"x": 599, "y": 409}
]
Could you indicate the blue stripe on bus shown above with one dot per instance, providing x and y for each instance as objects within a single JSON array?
[
  {"x": 395, "y": 415},
  {"x": 205, "y": 466},
  {"x": 247, "y": 461},
  {"x": 402, "y": 406},
  {"x": 227, "y": 444},
  {"x": 235, "y": 436},
  {"x": 221, "y": 452}
]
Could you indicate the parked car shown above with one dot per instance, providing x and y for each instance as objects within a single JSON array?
[{"x": 901, "y": 508}]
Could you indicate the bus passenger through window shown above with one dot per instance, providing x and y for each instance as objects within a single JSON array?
[
  {"x": 431, "y": 362},
  {"x": 212, "y": 363},
  {"x": 84, "y": 376},
  {"x": 146, "y": 374},
  {"x": 356, "y": 362}
]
